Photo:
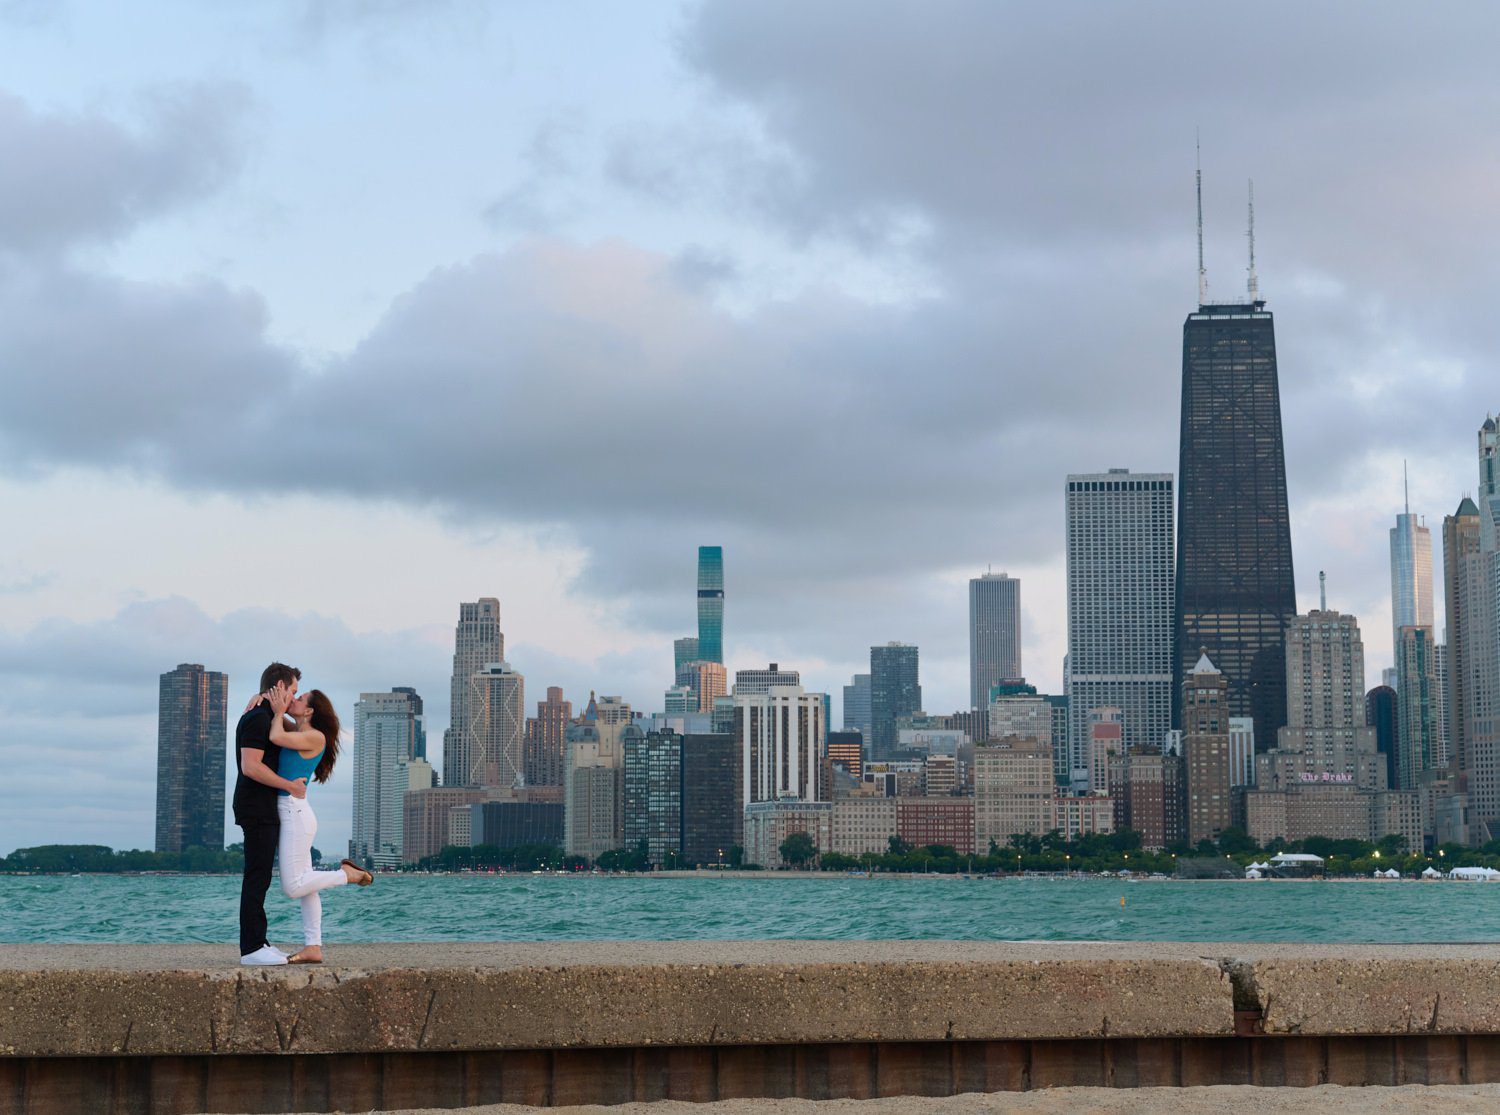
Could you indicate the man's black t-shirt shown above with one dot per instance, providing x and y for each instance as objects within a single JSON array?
[{"x": 255, "y": 801}]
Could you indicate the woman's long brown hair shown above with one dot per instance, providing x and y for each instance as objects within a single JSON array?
[{"x": 325, "y": 720}]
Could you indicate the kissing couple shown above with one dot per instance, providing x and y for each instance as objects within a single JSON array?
[{"x": 284, "y": 741}]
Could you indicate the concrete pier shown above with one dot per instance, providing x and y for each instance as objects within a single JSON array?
[{"x": 184, "y": 1028}]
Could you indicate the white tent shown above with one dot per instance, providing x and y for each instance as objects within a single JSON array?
[
  {"x": 1295, "y": 857},
  {"x": 1476, "y": 874},
  {"x": 1391, "y": 874},
  {"x": 1431, "y": 873}
]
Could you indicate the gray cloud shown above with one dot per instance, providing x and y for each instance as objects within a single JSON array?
[
  {"x": 1032, "y": 162},
  {"x": 71, "y": 178}
]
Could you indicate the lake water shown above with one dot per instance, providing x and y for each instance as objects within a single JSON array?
[{"x": 164, "y": 909}]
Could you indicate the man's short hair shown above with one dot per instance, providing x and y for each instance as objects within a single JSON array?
[{"x": 279, "y": 672}]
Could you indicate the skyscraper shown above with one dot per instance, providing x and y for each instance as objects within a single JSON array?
[
  {"x": 653, "y": 792},
  {"x": 1416, "y": 673},
  {"x": 192, "y": 736},
  {"x": 385, "y": 744},
  {"x": 895, "y": 690},
  {"x": 1235, "y": 592},
  {"x": 1411, "y": 573},
  {"x": 1479, "y": 605},
  {"x": 1205, "y": 751},
  {"x": 544, "y": 739},
  {"x": 1380, "y": 716},
  {"x": 711, "y": 603},
  {"x": 783, "y": 736},
  {"x": 994, "y": 634},
  {"x": 1119, "y": 569},
  {"x": 857, "y": 706},
  {"x": 1411, "y": 606},
  {"x": 477, "y": 641},
  {"x": 419, "y": 742},
  {"x": 497, "y": 726},
  {"x": 1461, "y": 570}
]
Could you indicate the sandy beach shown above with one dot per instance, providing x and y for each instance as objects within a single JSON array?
[{"x": 1413, "y": 1099}]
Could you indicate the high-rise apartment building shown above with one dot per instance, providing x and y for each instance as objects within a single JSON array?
[
  {"x": 544, "y": 739},
  {"x": 857, "y": 706},
  {"x": 706, "y": 682},
  {"x": 1381, "y": 717},
  {"x": 592, "y": 806},
  {"x": 1017, "y": 709},
  {"x": 1463, "y": 587},
  {"x": 1013, "y": 791},
  {"x": 750, "y": 682},
  {"x": 1119, "y": 571},
  {"x": 1326, "y": 776},
  {"x": 711, "y": 604},
  {"x": 1326, "y": 740},
  {"x": 385, "y": 745},
  {"x": 653, "y": 792},
  {"x": 1416, "y": 738},
  {"x": 191, "y": 741},
  {"x": 895, "y": 691},
  {"x": 477, "y": 641},
  {"x": 1205, "y": 749},
  {"x": 846, "y": 749},
  {"x": 497, "y": 726},
  {"x": 1235, "y": 591},
  {"x": 783, "y": 736},
  {"x": 713, "y": 816},
  {"x": 994, "y": 634},
  {"x": 1106, "y": 739}
]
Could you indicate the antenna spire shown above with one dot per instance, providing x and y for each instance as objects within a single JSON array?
[
  {"x": 1202, "y": 274},
  {"x": 1405, "y": 487},
  {"x": 1253, "y": 283}
]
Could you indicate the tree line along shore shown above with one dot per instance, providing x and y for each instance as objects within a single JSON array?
[{"x": 1120, "y": 851}]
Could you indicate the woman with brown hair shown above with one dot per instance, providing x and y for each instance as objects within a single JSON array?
[{"x": 308, "y": 750}]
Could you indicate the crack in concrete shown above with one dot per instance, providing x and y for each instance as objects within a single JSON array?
[{"x": 427, "y": 1021}]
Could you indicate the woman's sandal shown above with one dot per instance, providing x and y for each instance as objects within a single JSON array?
[
  {"x": 298, "y": 958},
  {"x": 365, "y": 878}
]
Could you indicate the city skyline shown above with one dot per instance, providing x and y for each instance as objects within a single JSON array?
[{"x": 284, "y": 223}]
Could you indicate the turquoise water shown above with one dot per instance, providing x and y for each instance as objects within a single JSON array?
[{"x": 545, "y": 908}]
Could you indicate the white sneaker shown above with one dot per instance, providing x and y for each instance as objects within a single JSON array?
[{"x": 265, "y": 955}]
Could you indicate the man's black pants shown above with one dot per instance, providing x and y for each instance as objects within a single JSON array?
[{"x": 260, "y": 854}]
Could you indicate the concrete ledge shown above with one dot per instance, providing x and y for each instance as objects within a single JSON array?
[
  {"x": 156, "y": 1000},
  {"x": 185, "y": 1029}
]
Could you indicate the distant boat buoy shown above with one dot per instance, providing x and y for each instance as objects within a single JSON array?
[{"x": 1122, "y": 900}]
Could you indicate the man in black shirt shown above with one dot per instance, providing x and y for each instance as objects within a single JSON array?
[{"x": 256, "y": 788}]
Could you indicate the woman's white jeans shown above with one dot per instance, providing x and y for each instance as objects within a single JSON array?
[{"x": 298, "y": 879}]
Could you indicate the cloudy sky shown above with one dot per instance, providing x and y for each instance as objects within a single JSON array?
[{"x": 318, "y": 318}]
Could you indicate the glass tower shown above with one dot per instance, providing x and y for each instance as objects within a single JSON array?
[
  {"x": 1235, "y": 592},
  {"x": 711, "y": 604},
  {"x": 895, "y": 691}
]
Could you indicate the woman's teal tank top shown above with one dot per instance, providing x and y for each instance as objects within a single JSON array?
[{"x": 293, "y": 766}]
